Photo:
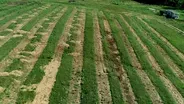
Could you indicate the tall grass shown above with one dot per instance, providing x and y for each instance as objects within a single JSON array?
[{"x": 89, "y": 93}]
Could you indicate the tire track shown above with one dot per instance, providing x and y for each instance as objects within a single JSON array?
[
  {"x": 127, "y": 91},
  {"x": 18, "y": 28},
  {"x": 44, "y": 88},
  {"x": 171, "y": 88},
  {"x": 174, "y": 49},
  {"x": 150, "y": 88},
  {"x": 30, "y": 61},
  {"x": 75, "y": 82},
  {"x": 102, "y": 78}
]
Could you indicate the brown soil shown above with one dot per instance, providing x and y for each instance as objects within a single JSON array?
[
  {"x": 102, "y": 78},
  {"x": 44, "y": 88},
  {"x": 75, "y": 83},
  {"x": 171, "y": 88},
  {"x": 150, "y": 88},
  {"x": 127, "y": 91}
]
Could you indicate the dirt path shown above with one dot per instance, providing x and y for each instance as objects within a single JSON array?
[
  {"x": 171, "y": 88},
  {"x": 150, "y": 88},
  {"x": 75, "y": 82},
  {"x": 127, "y": 91},
  {"x": 174, "y": 49},
  {"x": 30, "y": 61},
  {"x": 44, "y": 88},
  {"x": 102, "y": 77},
  {"x": 17, "y": 29}
]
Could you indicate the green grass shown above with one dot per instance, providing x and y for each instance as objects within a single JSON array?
[
  {"x": 28, "y": 96},
  {"x": 146, "y": 65},
  {"x": 139, "y": 90},
  {"x": 89, "y": 93},
  {"x": 48, "y": 52},
  {"x": 158, "y": 57},
  {"x": 4, "y": 33},
  {"x": 177, "y": 60},
  {"x": 18, "y": 13},
  {"x": 15, "y": 65},
  {"x": 8, "y": 46},
  {"x": 114, "y": 83},
  {"x": 37, "y": 73},
  {"x": 60, "y": 89},
  {"x": 35, "y": 20},
  {"x": 174, "y": 37}
]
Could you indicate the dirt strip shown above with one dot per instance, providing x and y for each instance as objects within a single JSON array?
[
  {"x": 102, "y": 77},
  {"x": 150, "y": 88},
  {"x": 30, "y": 61},
  {"x": 17, "y": 29},
  {"x": 174, "y": 49},
  {"x": 171, "y": 88},
  {"x": 44, "y": 88},
  {"x": 126, "y": 88},
  {"x": 75, "y": 82}
]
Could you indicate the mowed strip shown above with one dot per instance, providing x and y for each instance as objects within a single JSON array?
[
  {"x": 150, "y": 88},
  {"x": 13, "y": 42},
  {"x": 171, "y": 53},
  {"x": 9, "y": 60},
  {"x": 166, "y": 58},
  {"x": 75, "y": 81},
  {"x": 101, "y": 72},
  {"x": 140, "y": 94},
  {"x": 27, "y": 65},
  {"x": 44, "y": 88},
  {"x": 15, "y": 32},
  {"x": 158, "y": 57},
  {"x": 37, "y": 73},
  {"x": 4, "y": 23},
  {"x": 141, "y": 50},
  {"x": 175, "y": 42},
  {"x": 89, "y": 94},
  {"x": 114, "y": 83}
]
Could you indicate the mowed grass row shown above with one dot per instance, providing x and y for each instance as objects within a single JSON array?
[
  {"x": 146, "y": 65},
  {"x": 139, "y": 90},
  {"x": 9, "y": 9},
  {"x": 13, "y": 42},
  {"x": 37, "y": 73},
  {"x": 39, "y": 17},
  {"x": 177, "y": 60},
  {"x": 18, "y": 13},
  {"x": 59, "y": 94},
  {"x": 157, "y": 55},
  {"x": 89, "y": 93},
  {"x": 114, "y": 83},
  {"x": 173, "y": 36},
  {"x": 18, "y": 65}
]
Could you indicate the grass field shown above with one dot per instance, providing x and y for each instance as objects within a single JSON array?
[{"x": 89, "y": 52}]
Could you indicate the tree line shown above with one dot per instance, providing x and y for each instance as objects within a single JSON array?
[{"x": 174, "y": 3}]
